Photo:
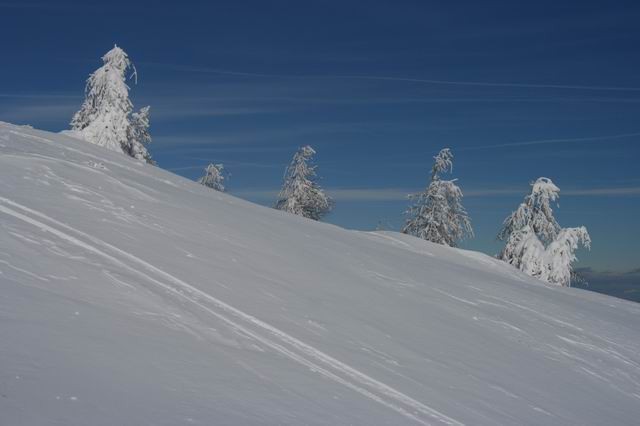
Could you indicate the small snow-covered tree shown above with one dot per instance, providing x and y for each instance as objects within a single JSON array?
[
  {"x": 534, "y": 241},
  {"x": 300, "y": 193},
  {"x": 213, "y": 177},
  {"x": 105, "y": 118},
  {"x": 437, "y": 214}
]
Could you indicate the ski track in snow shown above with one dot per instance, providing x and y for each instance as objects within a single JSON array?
[{"x": 244, "y": 323}]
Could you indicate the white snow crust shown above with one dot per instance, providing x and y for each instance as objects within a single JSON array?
[{"x": 132, "y": 296}]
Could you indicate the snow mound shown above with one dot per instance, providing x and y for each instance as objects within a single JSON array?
[{"x": 133, "y": 296}]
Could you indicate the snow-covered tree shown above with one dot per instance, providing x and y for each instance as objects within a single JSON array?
[
  {"x": 105, "y": 118},
  {"x": 535, "y": 242},
  {"x": 213, "y": 177},
  {"x": 437, "y": 214},
  {"x": 301, "y": 194}
]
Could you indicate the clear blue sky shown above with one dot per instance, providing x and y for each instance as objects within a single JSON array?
[{"x": 517, "y": 90}]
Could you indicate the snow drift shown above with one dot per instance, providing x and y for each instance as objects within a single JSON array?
[{"x": 129, "y": 295}]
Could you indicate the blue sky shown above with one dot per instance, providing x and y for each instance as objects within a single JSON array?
[{"x": 517, "y": 90}]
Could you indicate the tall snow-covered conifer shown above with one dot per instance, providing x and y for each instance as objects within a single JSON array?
[
  {"x": 437, "y": 214},
  {"x": 301, "y": 194},
  {"x": 534, "y": 241},
  {"x": 106, "y": 117},
  {"x": 213, "y": 177}
]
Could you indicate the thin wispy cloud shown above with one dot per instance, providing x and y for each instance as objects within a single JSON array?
[
  {"x": 185, "y": 168},
  {"x": 342, "y": 194},
  {"x": 300, "y": 94},
  {"x": 27, "y": 5},
  {"x": 365, "y": 100},
  {"x": 197, "y": 69},
  {"x": 227, "y": 163},
  {"x": 40, "y": 96},
  {"x": 602, "y": 191},
  {"x": 178, "y": 112},
  {"x": 368, "y": 194},
  {"x": 401, "y": 194},
  {"x": 554, "y": 141},
  {"x": 277, "y": 134},
  {"x": 184, "y": 145},
  {"x": 59, "y": 112}
]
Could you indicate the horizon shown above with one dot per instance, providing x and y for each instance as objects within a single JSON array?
[{"x": 516, "y": 92}]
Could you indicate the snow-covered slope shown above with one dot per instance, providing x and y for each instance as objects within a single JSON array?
[{"x": 131, "y": 296}]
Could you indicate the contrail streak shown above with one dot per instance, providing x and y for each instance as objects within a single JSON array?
[
  {"x": 400, "y": 79},
  {"x": 551, "y": 141}
]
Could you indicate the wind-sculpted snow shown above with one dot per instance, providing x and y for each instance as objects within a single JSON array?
[{"x": 129, "y": 295}]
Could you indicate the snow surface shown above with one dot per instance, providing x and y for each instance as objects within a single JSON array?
[{"x": 131, "y": 296}]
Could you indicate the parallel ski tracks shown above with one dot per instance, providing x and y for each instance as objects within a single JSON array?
[{"x": 262, "y": 332}]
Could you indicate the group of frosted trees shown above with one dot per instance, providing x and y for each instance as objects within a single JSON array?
[
  {"x": 534, "y": 241},
  {"x": 300, "y": 194},
  {"x": 106, "y": 118}
]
